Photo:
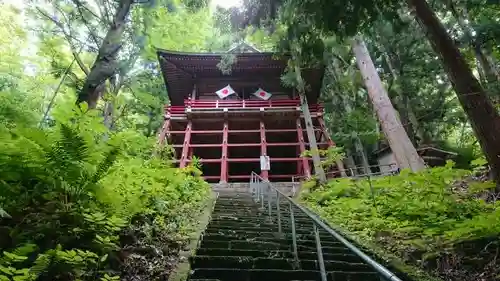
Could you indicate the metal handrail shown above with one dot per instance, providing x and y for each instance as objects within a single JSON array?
[
  {"x": 257, "y": 184},
  {"x": 349, "y": 171}
]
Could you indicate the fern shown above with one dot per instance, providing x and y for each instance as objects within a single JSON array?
[
  {"x": 42, "y": 263},
  {"x": 104, "y": 166},
  {"x": 53, "y": 179}
]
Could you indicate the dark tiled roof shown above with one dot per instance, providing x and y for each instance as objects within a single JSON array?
[{"x": 181, "y": 70}]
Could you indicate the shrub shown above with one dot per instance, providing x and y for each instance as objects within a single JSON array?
[
  {"x": 417, "y": 216},
  {"x": 69, "y": 193}
]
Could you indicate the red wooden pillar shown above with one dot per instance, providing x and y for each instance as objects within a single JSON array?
[
  {"x": 185, "y": 145},
  {"x": 305, "y": 163},
  {"x": 223, "y": 166},
  {"x": 263, "y": 147}
]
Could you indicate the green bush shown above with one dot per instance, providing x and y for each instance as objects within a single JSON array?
[
  {"x": 69, "y": 193},
  {"x": 413, "y": 215}
]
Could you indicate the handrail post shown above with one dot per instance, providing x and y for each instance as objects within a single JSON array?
[
  {"x": 317, "y": 222},
  {"x": 321, "y": 262},
  {"x": 294, "y": 234},
  {"x": 278, "y": 211},
  {"x": 254, "y": 187},
  {"x": 269, "y": 204},
  {"x": 261, "y": 194}
]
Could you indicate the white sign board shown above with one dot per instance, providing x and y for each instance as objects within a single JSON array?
[{"x": 265, "y": 163}]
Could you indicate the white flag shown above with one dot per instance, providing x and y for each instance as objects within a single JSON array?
[
  {"x": 225, "y": 92},
  {"x": 262, "y": 94}
]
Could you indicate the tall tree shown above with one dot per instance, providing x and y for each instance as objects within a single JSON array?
[
  {"x": 483, "y": 116},
  {"x": 347, "y": 18},
  {"x": 401, "y": 145}
]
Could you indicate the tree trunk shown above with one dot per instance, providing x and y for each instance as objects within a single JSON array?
[
  {"x": 409, "y": 119},
  {"x": 482, "y": 115},
  {"x": 313, "y": 145},
  {"x": 403, "y": 149},
  {"x": 106, "y": 63},
  {"x": 351, "y": 164},
  {"x": 362, "y": 154}
]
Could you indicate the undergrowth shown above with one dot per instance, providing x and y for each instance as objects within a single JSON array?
[
  {"x": 80, "y": 203},
  {"x": 439, "y": 220}
]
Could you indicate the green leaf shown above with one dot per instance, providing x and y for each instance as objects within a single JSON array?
[
  {"x": 104, "y": 258},
  {"x": 7, "y": 270}
]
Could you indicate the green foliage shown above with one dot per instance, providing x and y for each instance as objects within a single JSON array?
[
  {"x": 330, "y": 156},
  {"x": 226, "y": 63},
  {"x": 67, "y": 197},
  {"x": 413, "y": 215}
]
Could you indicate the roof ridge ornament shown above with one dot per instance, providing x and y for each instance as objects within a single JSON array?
[{"x": 243, "y": 47}]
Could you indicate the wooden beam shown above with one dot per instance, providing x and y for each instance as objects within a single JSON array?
[
  {"x": 263, "y": 147},
  {"x": 318, "y": 168},
  {"x": 303, "y": 162},
  {"x": 224, "y": 166},
  {"x": 163, "y": 132},
  {"x": 185, "y": 146}
]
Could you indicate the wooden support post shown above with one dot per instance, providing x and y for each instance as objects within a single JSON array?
[
  {"x": 164, "y": 131},
  {"x": 305, "y": 163},
  {"x": 223, "y": 166},
  {"x": 263, "y": 147},
  {"x": 299, "y": 162},
  {"x": 185, "y": 145},
  {"x": 330, "y": 142},
  {"x": 193, "y": 93},
  {"x": 313, "y": 146}
]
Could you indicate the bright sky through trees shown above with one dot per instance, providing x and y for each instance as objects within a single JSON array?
[{"x": 226, "y": 3}]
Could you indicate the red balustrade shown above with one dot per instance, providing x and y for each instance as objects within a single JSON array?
[{"x": 238, "y": 104}]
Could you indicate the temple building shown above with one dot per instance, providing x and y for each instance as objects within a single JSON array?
[{"x": 233, "y": 122}]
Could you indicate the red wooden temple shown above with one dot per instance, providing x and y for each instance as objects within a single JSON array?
[{"x": 229, "y": 135}]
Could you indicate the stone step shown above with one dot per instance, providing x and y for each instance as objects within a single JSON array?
[
  {"x": 269, "y": 245},
  {"x": 235, "y": 223},
  {"x": 253, "y": 216},
  {"x": 257, "y": 220},
  {"x": 248, "y": 262},
  {"x": 215, "y": 234},
  {"x": 232, "y": 274},
  {"x": 251, "y": 202},
  {"x": 242, "y": 243},
  {"x": 306, "y": 230},
  {"x": 276, "y": 254},
  {"x": 234, "y": 208},
  {"x": 277, "y": 239}
]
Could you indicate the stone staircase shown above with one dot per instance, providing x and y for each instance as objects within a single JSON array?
[{"x": 242, "y": 243}]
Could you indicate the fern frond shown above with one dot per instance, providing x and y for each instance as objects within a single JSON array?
[
  {"x": 73, "y": 144},
  {"x": 65, "y": 158},
  {"x": 25, "y": 249},
  {"x": 106, "y": 164},
  {"x": 41, "y": 263}
]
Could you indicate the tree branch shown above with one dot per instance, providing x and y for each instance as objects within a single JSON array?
[
  {"x": 68, "y": 37},
  {"x": 93, "y": 35}
]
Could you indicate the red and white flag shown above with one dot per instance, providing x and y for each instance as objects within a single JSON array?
[
  {"x": 262, "y": 94},
  {"x": 225, "y": 92}
]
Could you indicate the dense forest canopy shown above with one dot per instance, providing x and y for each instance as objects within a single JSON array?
[{"x": 81, "y": 102}]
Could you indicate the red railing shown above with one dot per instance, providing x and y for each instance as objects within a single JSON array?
[{"x": 238, "y": 104}]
